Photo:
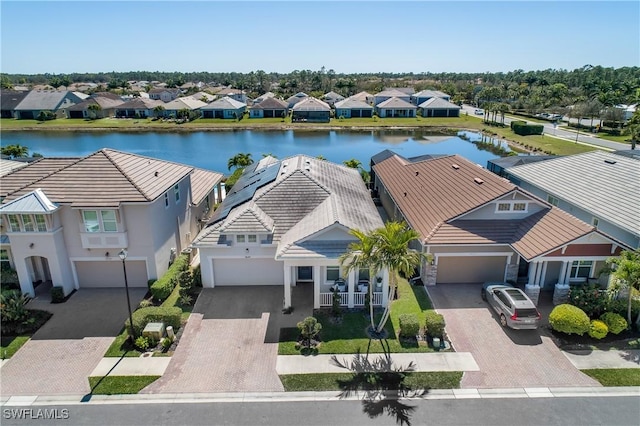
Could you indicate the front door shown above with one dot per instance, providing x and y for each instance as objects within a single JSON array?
[{"x": 305, "y": 273}]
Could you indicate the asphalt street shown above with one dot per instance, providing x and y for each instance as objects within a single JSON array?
[{"x": 510, "y": 411}]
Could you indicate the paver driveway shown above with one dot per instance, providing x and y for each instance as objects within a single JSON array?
[
  {"x": 507, "y": 358},
  {"x": 61, "y": 355},
  {"x": 230, "y": 343}
]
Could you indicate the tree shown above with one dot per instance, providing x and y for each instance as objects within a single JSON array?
[
  {"x": 353, "y": 163},
  {"x": 309, "y": 329},
  {"x": 94, "y": 109},
  {"x": 625, "y": 272},
  {"x": 15, "y": 151},
  {"x": 633, "y": 128},
  {"x": 157, "y": 111},
  {"x": 240, "y": 160}
]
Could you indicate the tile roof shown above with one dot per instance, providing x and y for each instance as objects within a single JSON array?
[
  {"x": 184, "y": 103},
  {"x": 431, "y": 94},
  {"x": 392, "y": 93},
  {"x": 141, "y": 103},
  {"x": 361, "y": 96},
  {"x": 249, "y": 218},
  {"x": 311, "y": 104},
  {"x": 33, "y": 202},
  {"x": 7, "y": 166},
  {"x": 37, "y": 170},
  {"x": 271, "y": 103},
  {"x": 11, "y": 98},
  {"x": 42, "y": 100},
  {"x": 396, "y": 103},
  {"x": 438, "y": 103},
  {"x": 351, "y": 103},
  {"x": 224, "y": 103},
  {"x": 332, "y": 96},
  {"x": 604, "y": 184},
  {"x": 517, "y": 160},
  {"x": 105, "y": 103},
  {"x": 202, "y": 181}
]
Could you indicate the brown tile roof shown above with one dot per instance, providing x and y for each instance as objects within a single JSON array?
[
  {"x": 37, "y": 170},
  {"x": 201, "y": 183}
]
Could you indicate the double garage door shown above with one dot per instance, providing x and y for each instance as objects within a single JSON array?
[
  {"x": 110, "y": 274},
  {"x": 469, "y": 269},
  {"x": 228, "y": 272}
]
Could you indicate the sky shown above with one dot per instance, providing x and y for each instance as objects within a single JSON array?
[{"x": 349, "y": 37}]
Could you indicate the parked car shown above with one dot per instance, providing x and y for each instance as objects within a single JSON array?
[
  {"x": 512, "y": 305},
  {"x": 478, "y": 112}
]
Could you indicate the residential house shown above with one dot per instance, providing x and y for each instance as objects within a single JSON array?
[
  {"x": 264, "y": 97},
  {"x": 425, "y": 95},
  {"x": 332, "y": 97},
  {"x": 291, "y": 101},
  {"x": 476, "y": 226},
  {"x": 396, "y": 107},
  {"x": 363, "y": 97},
  {"x": 286, "y": 223},
  {"x": 7, "y": 166},
  {"x": 37, "y": 101},
  {"x": 164, "y": 94},
  {"x": 10, "y": 100},
  {"x": 235, "y": 94},
  {"x": 597, "y": 187},
  {"x": 353, "y": 108},
  {"x": 185, "y": 103},
  {"x": 388, "y": 94},
  {"x": 224, "y": 108},
  {"x": 139, "y": 108},
  {"x": 269, "y": 108},
  {"x": 438, "y": 107},
  {"x": 311, "y": 110},
  {"x": 204, "y": 97},
  {"x": 501, "y": 165},
  {"x": 70, "y": 234},
  {"x": 108, "y": 102},
  {"x": 627, "y": 110}
]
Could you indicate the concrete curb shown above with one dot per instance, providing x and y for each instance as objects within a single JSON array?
[{"x": 185, "y": 398}]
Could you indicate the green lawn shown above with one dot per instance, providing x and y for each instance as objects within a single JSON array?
[
  {"x": 118, "y": 385},
  {"x": 615, "y": 138},
  {"x": 615, "y": 376},
  {"x": 329, "y": 381},
  {"x": 350, "y": 337},
  {"x": 10, "y": 345}
]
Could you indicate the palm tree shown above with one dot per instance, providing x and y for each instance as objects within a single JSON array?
[
  {"x": 360, "y": 255},
  {"x": 157, "y": 111},
  {"x": 321, "y": 157},
  {"x": 353, "y": 163},
  {"x": 625, "y": 271},
  {"x": 392, "y": 252},
  {"x": 94, "y": 109},
  {"x": 15, "y": 151},
  {"x": 240, "y": 160}
]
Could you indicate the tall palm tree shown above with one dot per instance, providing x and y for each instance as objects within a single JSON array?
[
  {"x": 15, "y": 151},
  {"x": 360, "y": 255},
  {"x": 625, "y": 271},
  {"x": 240, "y": 160},
  {"x": 392, "y": 252},
  {"x": 352, "y": 163}
]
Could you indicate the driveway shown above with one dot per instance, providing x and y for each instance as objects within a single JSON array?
[
  {"x": 230, "y": 343},
  {"x": 507, "y": 358},
  {"x": 61, "y": 355}
]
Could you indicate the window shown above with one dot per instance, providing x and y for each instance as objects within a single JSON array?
[
  {"x": 4, "y": 259},
  {"x": 14, "y": 223},
  {"x": 91, "y": 223},
  {"x": 27, "y": 221},
  {"x": 504, "y": 207},
  {"x": 100, "y": 220},
  {"x": 176, "y": 192},
  {"x": 552, "y": 200},
  {"x": 333, "y": 273},
  {"x": 240, "y": 239},
  {"x": 252, "y": 238},
  {"x": 363, "y": 274},
  {"x": 109, "y": 223},
  {"x": 595, "y": 222},
  {"x": 581, "y": 270},
  {"x": 166, "y": 199},
  {"x": 41, "y": 223},
  {"x": 519, "y": 207}
]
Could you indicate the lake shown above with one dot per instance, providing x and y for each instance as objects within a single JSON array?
[{"x": 212, "y": 150}]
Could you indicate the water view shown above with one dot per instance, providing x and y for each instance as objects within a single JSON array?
[{"x": 211, "y": 150}]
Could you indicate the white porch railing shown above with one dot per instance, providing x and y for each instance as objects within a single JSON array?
[{"x": 326, "y": 299}]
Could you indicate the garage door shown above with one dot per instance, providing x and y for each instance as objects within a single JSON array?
[
  {"x": 470, "y": 269},
  {"x": 247, "y": 272},
  {"x": 110, "y": 274}
]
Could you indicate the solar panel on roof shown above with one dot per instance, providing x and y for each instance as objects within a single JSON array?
[{"x": 244, "y": 190}]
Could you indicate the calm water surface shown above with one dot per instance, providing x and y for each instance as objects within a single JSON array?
[{"x": 211, "y": 150}]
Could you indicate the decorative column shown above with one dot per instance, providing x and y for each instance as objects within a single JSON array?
[
  {"x": 316, "y": 287},
  {"x": 385, "y": 287},
  {"x": 561, "y": 290},
  {"x": 532, "y": 289},
  {"x": 287, "y": 286},
  {"x": 351, "y": 286}
]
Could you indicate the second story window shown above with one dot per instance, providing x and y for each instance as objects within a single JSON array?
[
  {"x": 100, "y": 220},
  {"x": 41, "y": 223},
  {"x": 552, "y": 200},
  {"x": 14, "y": 223},
  {"x": 176, "y": 192},
  {"x": 27, "y": 223}
]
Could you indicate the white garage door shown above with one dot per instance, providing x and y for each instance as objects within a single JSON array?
[
  {"x": 110, "y": 274},
  {"x": 248, "y": 272},
  {"x": 470, "y": 269}
]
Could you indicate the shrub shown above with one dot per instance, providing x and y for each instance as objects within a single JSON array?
[
  {"x": 13, "y": 306},
  {"x": 162, "y": 288},
  {"x": 57, "y": 294},
  {"x": 150, "y": 282},
  {"x": 142, "y": 343},
  {"x": 46, "y": 116},
  {"x": 9, "y": 277},
  {"x": 409, "y": 325},
  {"x": 166, "y": 343},
  {"x": 434, "y": 324},
  {"x": 143, "y": 316},
  {"x": 598, "y": 329},
  {"x": 569, "y": 319},
  {"x": 197, "y": 277},
  {"x": 619, "y": 306},
  {"x": 615, "y": 322},
  {"x": 335, "y": 304},
  {"x": 589, "y": 298},
  {"x": 186, "y": 299},
  {"x": 309, "y": 329},
  {"x": 145, "y": 303},
  {"x": 524, "y": 129}
]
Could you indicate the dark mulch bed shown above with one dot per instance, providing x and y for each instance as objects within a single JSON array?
[
  {"x": 36, "y": 320},
  {"x": 610, "y": 341}
]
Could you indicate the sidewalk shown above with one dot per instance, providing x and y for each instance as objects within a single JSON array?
[
  {"x": 584, "y": 360},
  {"x": 435, "y": 361}
]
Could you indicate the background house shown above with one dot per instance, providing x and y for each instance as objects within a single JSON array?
[
  {"x": 10, "y": 99},
  {"x": 425, "y": 95},
  {"x": 224, "y": 108},
  {"x": 108, "y": 102},
  {"x": 37, "y": 101},
  {"x": 395, "y": 108},
  {"x": 311, "y": 110},
  {"x": 164, "y": 94},
  {"x": 185, "y": 103},
  {"x": 270, "y": 107},
  {"x": 438, "y": 107},
  {"x": 350, "y": 107},
  {"x": 390, "y": 93},
  {"x": 332, "y": 97}
]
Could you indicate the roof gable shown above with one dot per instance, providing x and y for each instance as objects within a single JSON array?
[
  {"x": 32, "y": 203},
  {"x": 248, "y": 218},
  {"x": 311, "y": 104},
  {"x": 396, "y": 103},
  {"x": 225, "y": 103},
  {"x": 271, "y": 103},
  {"x": 438, "y": 103}
]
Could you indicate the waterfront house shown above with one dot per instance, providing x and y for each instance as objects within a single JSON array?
[
  {"x": 353, "y": 108},
  {"x": 285, "y": 223},
  {"x": 164, "y": 94},
  {"x": 332, "y": 97},
  {"x": 396, "y": 108},
  {"x": 66, "y": 219},
  {"x": 311, "y": 110},
  {"x": 10, "y": 100},
  {"x": 425, "y": 95},
  {"x": 264, "y": 97},
  {"x": 107, "y": 103},
  {"x": 438, "y": 107},
  {"x": 479, "y": 227},
  {"x": 138, "y": 108},
  {"x": 292, "y": 100},
  {"x": 185, "y": 103},
  {"x": 270, "y": 107},
  {"x": 224, "y": 108},
  {"x": 363, "y": 97},
  {"x": 388, "y": 94},
  {"x": 235, "y": 94},
  {"x": 37, "y": 101}
]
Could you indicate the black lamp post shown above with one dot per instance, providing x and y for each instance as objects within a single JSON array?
[{"x": 123, "y": 255}]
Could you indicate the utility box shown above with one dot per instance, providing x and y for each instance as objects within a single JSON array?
[{"x": 154, "y": 331}]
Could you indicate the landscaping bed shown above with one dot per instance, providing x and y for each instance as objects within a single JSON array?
[
  {"x": 330, "y": 381},
  {"x": 18, "y": 322}
]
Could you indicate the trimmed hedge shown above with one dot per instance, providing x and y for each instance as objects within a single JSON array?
[
  {"x": 143, "y": 316},
  {"x": 569, "y": 319},
  {"x": 409, "y": 325},
  {"x": 434, "y": 324},
  {"x": 57, "y": 294},
  {"x": 162, "y": 288},
  {"x": 598, "y": 329},
  {"x": 615, "y": 322},
  {"x": 523, "y": 129}
]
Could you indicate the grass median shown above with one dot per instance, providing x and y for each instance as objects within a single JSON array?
[
  {"x": 119, "y": 385},
  {"x": 615, "y": 376},
  {"x": 330, "y": 381}
]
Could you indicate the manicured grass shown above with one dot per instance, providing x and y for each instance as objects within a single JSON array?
[
  {"x": 118, "y": 385},
  {"x": 615, "y": 376},
  {"x": 615, "y": 138},
  {"x": 10, "y": 345},
  {"x": 349, "y": 336},
  {"x": 329, "y": 381}
]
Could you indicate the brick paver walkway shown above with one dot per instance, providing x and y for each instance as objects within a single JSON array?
[
  {"x": 221, "y": 355},
  {"x": 507, "y": 358},
  {"x": 47, "y": 367}
]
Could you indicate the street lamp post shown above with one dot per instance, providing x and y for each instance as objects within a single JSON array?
[{"x": 123, "y": 255}]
